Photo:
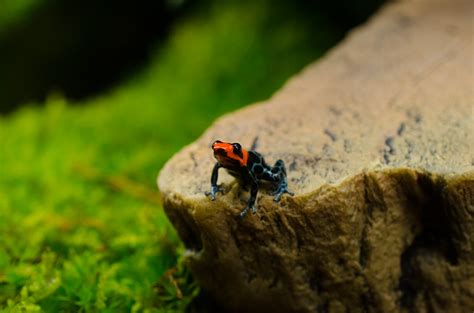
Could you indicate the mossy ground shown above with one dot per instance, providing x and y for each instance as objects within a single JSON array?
[{"x": 81, "y": 225}]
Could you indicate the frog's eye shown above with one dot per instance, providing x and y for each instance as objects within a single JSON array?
[{"x": 237, "y": 149}]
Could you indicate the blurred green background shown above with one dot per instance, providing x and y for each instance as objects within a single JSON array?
[{"x": 95, "y": 96}]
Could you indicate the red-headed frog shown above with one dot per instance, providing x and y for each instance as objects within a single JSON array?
[{"x": 249, "y": 167}]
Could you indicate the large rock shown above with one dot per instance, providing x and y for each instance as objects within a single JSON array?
[{"x": 378, "y": 142}]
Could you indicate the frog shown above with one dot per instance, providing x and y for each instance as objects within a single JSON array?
[{"x": 251, "y": 171}]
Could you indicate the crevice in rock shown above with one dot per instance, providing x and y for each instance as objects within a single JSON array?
[
  {"x": 434, "y": 240},
  {"x": 409, "y": 283},
  {"x": 274, "y": 281},
  {"x": 292, "y": 166},
  {"x": 401, "y": 129},
  {"x": 389, "y": 149},
  {"x": 367, "y": 301},
  {"x": 415, "y": 116},
  {"x": 330, "y": 134},
  {"x": 410, "y": 149},
  {"x": 194, "y": 159},
  {"x": 315, "y": 282},
  {"x": 364, "y": 245},
  {"x": 323, "y": 307},
  {"x": 364, "y": 251},
  {"x": 251, "y": 275},
  {"x": 335, "y": 111},
  {"x": 437, "y": 232},
  {"x": 234, "y": 234}
]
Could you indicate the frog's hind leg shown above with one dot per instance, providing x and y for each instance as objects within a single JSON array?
[
  {"x": 282, "y": 186},
  {"x": 254, "y": 143},
  {"x": 277, "y": 174}
]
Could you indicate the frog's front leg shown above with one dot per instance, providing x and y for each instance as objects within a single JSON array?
[
  {"x": 253, "y": 197},
  {"x": 214, "y": 188},
  {"x": 278, "y": 175}
]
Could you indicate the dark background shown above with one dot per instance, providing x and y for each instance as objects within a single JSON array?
[{"x": 83, "y": 47}]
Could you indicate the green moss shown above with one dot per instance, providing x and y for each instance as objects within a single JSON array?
[
  {"x": 81, "y": 225},
  {"x": 15, "y": 11}
]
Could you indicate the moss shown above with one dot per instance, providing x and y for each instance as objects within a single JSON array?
[
  {"x": 81, "y": 224},
  {"x": 16, "y": 11}
]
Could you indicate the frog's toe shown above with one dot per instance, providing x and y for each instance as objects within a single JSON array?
[
  {"x": 277, "y": 191},
  {"x": 210, "y": 195},
  {"x": 244, "y": 212},
  {"x": 280, "y": 193}
]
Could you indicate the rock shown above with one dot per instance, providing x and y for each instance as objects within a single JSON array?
[{"x": 378, "y": 142}]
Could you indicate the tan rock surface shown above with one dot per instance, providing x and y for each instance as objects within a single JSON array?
[{"x": 378, "y": 142}]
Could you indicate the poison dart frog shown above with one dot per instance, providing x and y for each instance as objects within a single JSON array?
[{"x": 250, "y": 169}]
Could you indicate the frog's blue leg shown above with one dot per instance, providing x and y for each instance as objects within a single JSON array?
[
  {"x": 214, "y": 188},
  {"x": 253, "y": 196},
  {"x": 251, "y": 202},
  {"x": 277, "y": 174}
]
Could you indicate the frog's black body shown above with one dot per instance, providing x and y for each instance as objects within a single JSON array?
[{"x": 250, "y": 168}]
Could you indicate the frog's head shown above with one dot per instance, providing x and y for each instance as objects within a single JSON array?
[{"x": 229, "y": 154}]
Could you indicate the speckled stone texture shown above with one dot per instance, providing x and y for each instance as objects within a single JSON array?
[{"x": 378, "y": 142}]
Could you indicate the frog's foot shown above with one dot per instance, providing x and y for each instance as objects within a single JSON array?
[
  {"x": 213, "y": 192},
  {"x": 282, "y": 189},
  {"x": 247, "y": 208}
]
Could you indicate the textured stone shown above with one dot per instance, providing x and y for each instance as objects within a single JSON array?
[{"x": 378, "y": 142}]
